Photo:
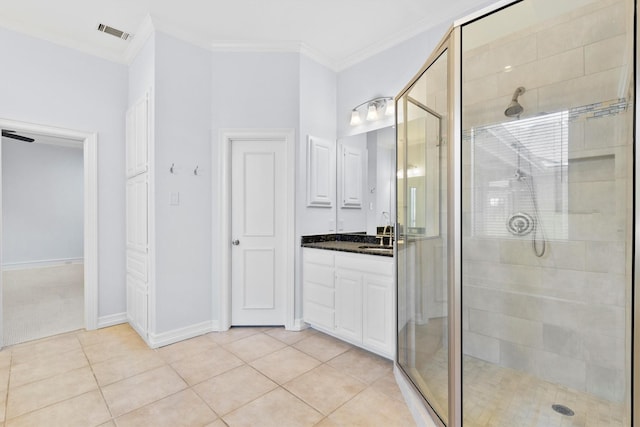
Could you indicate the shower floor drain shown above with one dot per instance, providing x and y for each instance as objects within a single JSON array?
[{"x": 561, "y": 409}]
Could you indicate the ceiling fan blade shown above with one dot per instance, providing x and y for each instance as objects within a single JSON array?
[{"x": 11, "y": 134}]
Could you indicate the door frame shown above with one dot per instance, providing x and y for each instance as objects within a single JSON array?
[
  {"x": 222, "y": 234},
  {"x": 89, "y": 143}
]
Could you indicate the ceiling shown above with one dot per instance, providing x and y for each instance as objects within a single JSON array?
[{"x": 339, "y": 33}]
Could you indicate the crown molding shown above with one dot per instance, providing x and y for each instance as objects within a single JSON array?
[{"x": 138, "y": 39}]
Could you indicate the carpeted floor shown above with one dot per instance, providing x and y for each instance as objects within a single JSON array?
[{"x": 40, "y": 302}]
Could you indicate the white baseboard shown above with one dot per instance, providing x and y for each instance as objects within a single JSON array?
[
  {"x": 42, "y": 263},
  {"x": 111, "y": 320},
  {"x": 180, "y": 334},
  {"x": 298, "y": 325}
]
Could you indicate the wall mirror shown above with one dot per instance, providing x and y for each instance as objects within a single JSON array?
[{"x": 365, "y": 181}]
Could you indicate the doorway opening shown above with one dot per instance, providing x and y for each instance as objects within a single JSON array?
[{"x": 48, "y": 280}]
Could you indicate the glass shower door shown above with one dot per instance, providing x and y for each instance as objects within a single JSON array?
[
  {"x": 547, "y": 179},
  {"x": 422, "y": 235}
]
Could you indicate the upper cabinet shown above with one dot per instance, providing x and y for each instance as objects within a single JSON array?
[
  {"x": 138, "y": 137},
  {"x": 320, "y": 172}
]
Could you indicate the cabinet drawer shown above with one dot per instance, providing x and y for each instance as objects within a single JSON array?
[
  {"x": 318, "y": 275},
  {"x": 137, "y": 265},
  {"x": 319, "y": 315},
  {"x": 319, "y": 295},
  {"x": 371, "y": 264},
  {"x": 318, "y": 256}
]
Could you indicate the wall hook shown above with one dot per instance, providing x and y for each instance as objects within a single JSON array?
[
  {"x": 171, "y": 168},
  {"x": 195, "y": 171}
]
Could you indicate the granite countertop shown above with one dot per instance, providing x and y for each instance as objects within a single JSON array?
[{"x": 355, "y": 243}]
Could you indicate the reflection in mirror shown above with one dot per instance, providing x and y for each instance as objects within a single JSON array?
[{"x": 365, "y": 182}]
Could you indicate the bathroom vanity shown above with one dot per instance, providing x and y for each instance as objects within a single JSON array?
[{"x": 349, "y": 294}]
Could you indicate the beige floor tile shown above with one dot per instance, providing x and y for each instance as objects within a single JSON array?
[
  {"x": 108, "y": 424},
  {"x": 371, "y": 409},
  {"x": 254, "y": 347},
  {"x": 115, "y": 346},
  {"x": 183, "y": 349},
  {"x": 5, "y": 358},
  {"x": 202, "y": 366},
  {"x": 183, "y": 409},
  {"x": 290, "y": 337},
  {"x": 41, "y": 349},
  {"x": 326, "y": 422},
  {"x": 387, "y": 385},
  {"x": 119, "y": 368},
  {"x": 285, "y": 365},
  {"x": 39, "y": 368},
  {"x": 137, "y": 391},
  {"x": 112, "y": 333},
  {"x": 322, "y": 347},
  {"x": 85, "y": 410},
  {"x": 325, "y": 388},
  {"x": 362, "y": 364},
  {"x": 277, "y": 408},
  {"x": 37, "y": 395},
  {"x": 233, "y": 334},
  {"x": 217, "y": 423},
  {"x": 234, "y": 388}
]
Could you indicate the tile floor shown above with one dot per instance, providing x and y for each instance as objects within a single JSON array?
[{"x": 242, "y": 377}]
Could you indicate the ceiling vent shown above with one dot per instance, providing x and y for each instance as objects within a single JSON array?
[{"x": 113, "y": 31}]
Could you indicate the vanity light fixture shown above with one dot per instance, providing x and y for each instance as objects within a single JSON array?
[{"x": 375, "y": 107}]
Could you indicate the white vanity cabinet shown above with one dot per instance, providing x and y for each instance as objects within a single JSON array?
[{"x": 351, "y": 296}]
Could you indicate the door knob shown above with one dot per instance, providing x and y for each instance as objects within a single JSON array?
[{"x": 235, "y": 242}]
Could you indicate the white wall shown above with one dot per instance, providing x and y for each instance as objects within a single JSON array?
[
  {"x": 57, "y": 86},
  {"x": 183, "y": 100},
  {"x": 42, "y": 200}
]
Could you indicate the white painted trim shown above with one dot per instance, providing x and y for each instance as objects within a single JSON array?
[
  {"x": 223, "y": 235},
  {"x": 41, "y": 263},
  {"x": 180, "y": 334},
  {"x": 299, "y": 325},
  {"x": 112, "y": 319},
  {"x": 89, "y": 142},
  {"x": 420, "y": 414}
]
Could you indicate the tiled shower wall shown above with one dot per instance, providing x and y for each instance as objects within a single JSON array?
[{"x": 561, "y": 317}]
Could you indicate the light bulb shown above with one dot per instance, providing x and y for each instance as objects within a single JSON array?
[
  {"x": 355, "y": 118},
  {"x": 372, "y": 112},
  {"x": 391, "y": 109}
]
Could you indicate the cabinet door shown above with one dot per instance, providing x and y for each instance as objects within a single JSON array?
[
  {"x": 137, "y": 305},
  {"x": 137, "y": 196},
  {"x": 137, "y": 137},
  {"x": 320, "y": 172},
  {"x": 349, "y": 304},
  {"x": 378, "y": 319}
]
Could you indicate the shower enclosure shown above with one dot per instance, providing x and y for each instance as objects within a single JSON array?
[{"x": 515, "y": 218}]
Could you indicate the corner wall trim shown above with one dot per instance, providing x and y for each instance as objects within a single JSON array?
[
  {"x": 111, "y": 320},
  {"x": 180, "y": 334}
]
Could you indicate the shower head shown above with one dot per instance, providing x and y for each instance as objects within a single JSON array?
[{"x": 514, "y": 108}]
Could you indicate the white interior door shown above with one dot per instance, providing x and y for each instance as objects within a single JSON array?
[{"x": 258, "y": 232}]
